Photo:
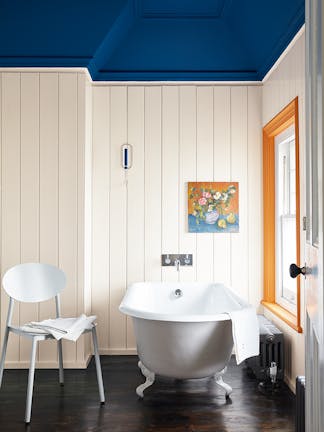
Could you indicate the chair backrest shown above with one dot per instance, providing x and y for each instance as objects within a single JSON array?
[{"x": 33, "y": 282}]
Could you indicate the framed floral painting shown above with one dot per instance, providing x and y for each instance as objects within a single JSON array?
[{"x": 213, "y": 207}]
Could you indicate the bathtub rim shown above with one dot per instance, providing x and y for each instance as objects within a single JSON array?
[
  {"x": 189, "y": 318},
  {"x": 148, "y": 315}
]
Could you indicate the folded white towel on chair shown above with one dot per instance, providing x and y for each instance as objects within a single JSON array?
[
  {"x": 245, "y": 330},
  {"x": 63, "y": 328}
]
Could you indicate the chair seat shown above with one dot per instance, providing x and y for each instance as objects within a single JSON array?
[{"x": 30, "y": 332}]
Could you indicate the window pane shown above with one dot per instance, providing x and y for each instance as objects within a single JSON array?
[
  {"x": 288, "y": 256},
  {"x": 286, "y": 287}
]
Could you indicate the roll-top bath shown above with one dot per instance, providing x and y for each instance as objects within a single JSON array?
[{"x": 187, "y": 330}]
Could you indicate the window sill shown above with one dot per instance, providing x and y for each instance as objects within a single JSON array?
[{"x": 286, "y": 316}]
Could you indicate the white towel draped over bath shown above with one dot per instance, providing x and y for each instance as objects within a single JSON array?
[
  {"x": 62, "y": 328},
  {"x": 245, "y": 330}
]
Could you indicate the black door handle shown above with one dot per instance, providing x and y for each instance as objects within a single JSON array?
[{"x": 294, "y": 270}]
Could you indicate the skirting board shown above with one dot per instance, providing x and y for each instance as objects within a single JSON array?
[
  {"x": 70, "y": 364},
  {"x": 118, "y": 351},
  {"x": 49, "y": 364}
]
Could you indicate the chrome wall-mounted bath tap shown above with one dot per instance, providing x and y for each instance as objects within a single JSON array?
[{"x": 176, "y": 260}]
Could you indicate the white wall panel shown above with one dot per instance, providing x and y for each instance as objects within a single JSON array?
[
  {"x": 170, "y": 176},
  {"x": 205, "y": 172},
  {"x": 87, "y": 241},
  {"x": 100, "y": 211},
  {"x": 239, "y": 171},
  {"x": 135, "y": 196},
  {"x": 153, "y": 184},
  {"x": 48, "y": 190},
  {"x": 285, "y": 83},
  {"x": 42, "y": 182},
  {"x": 179, "y": 134},
  {"x": 118, "y": 217},
  {"x": 254, "y": 198},
  {"x": 187, "y": 173},
  {"x": 11, "y": 182},
  {"x": 222, "y": 172},
  {"x": 29, "y": 171},
  {"x": 83, "y": 348},
  {"x": 68, "y": 195}
]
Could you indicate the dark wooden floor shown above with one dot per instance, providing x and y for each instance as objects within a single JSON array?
[{"x": 177, "y": 406}]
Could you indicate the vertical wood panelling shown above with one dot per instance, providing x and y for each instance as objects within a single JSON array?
[
  {"x": 254, "y": 226},
  {"x": 275, "y": 96},
  {"x": 239, "y": 171},
  {"x": 170, "y": 176},
  {"x": 179, "y": 134},
  {"x": 152, "y": 187},
  {"x": 42, "y": 200},
  {"x": 29, "y": 170},
  {"x": 187, "y": 172},
  {"x": 205, "y": 172},
  {"x": 222, "y": 172},
  {"x": 68, "y": 196},
  {"x": 284, "y": 83},
  {"x": 118, "y": 136},
  {"x": 48, "y": 189},
  {"x": 11, "y": 222},
  {"x": 80, "y": 164},
  {"x": 293, "y": 70},
  {"x": 135, "y": 196},
  {"x": 100, "y": 212},
  {"x": 88, "y": 200}
]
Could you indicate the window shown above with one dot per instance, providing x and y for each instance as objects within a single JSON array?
[
  {"x": 285, "y": 218},
  {"x": 281, "y": 215}
]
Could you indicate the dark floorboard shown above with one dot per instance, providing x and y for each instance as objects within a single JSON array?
[{"x": 169, "y": 405}]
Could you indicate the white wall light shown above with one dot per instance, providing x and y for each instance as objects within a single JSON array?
[{"x": 127, "y": 156}]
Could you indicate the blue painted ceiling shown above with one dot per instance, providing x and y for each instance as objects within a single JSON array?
[{"x": 150, "y": 39}]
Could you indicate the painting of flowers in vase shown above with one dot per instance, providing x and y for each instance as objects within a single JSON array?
[{"x": 213, "y": 207}]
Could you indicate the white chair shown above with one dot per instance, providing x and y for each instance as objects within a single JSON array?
[{"x": 35, "y": 282}]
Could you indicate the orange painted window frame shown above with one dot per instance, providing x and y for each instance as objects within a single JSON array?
[{"x": 287, "y": 117}]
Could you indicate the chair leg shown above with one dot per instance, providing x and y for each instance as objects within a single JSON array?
[
  {"x": 3, "y": 355},
  {"x": 98, "y": 366},
  {"x": 31, "y": 380},
  {"x": 60, "y": 358}
]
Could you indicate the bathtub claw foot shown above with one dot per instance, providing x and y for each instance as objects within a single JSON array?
[
  {"x": 150, "y": 378},
  {"x": 228, "y": 389}
]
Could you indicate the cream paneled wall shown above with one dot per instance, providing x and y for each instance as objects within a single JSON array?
[
  {"x": 286, "y": 82},
  {"x": 179, "y": 133},
  {"x": 43, "y": 126},
  {"x": 64, "y": 199}
]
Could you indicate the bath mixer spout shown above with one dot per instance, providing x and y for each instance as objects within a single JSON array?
[{"x": 177, "y": 264}]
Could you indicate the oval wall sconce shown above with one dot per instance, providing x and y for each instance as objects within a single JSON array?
[{"x": 127, "y": 156}]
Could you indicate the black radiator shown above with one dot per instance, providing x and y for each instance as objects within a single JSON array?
[
  {"x": 300, "y": 404},
  {"x": 271, "y": 351}
]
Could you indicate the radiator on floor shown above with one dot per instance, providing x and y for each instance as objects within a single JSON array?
[
  {"x": 300, "y": 404},
  {"x": 271, "y": 352}
]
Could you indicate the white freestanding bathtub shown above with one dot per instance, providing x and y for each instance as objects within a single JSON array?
[{"x": 182, "y": 329}]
